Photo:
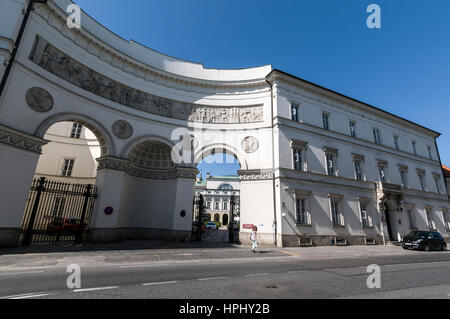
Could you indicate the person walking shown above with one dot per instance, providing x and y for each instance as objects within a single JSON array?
[{"x": 253, "y": 238}]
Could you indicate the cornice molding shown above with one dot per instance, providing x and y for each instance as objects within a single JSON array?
[
  {"x": 21, "y": 140},
  {"x": 256, "y": 175},
  {"x": 56, "y": 18}
]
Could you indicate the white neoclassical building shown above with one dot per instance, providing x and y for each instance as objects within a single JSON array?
[
  {"x": 70, "y": 155},
  {"x": 317, "y": 167},
  {"x": 217, "y": 192}
]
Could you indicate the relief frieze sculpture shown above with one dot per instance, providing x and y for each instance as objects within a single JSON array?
[{"x": 56, "y": 62}]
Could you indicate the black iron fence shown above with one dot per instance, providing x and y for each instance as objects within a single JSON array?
[{"x": 57, "y": 213}]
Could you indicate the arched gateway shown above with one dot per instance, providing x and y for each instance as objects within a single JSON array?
[{"x": 145, "y": 107}]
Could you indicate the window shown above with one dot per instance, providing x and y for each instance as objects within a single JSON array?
[
  {"x": 396, "y": 142},
  {"x": 358, "y": 170},
  {"x": 366, "y": 220},
  {"x": 376, "y": 136},
  {"x": 225, "y": 205},
  {"x": 352, "y": 129},
  {"x": 216, "y": 205},
  {"x": 58, "y": 206},
  {"x": 298, "y": 159},
  {"x": 67, "y": 167},
  {"x": 446, "y": 217},
  {"x": 431, "y": 225},
  {"x": 403, "y": 177},
  {"x": 421, "y": 175},
  {"x": 409, "y": 212},
  {"x": 76, "y": 130},
  {"x": 382, "y": 173},
  {"x": 225, "y": 187},
  {"x": 414, "y": 147},
  {"x": 331, "y": 171},
  {"x": 336, "y": 215},
  {"x": 208, "y": 205},
  {"x": 429, "y": 152},
  {"x": 300, "y": 209},
  {"x": 295, "y": 112},
  {"x": 326, "y": 121},
  {"x": 437, "y": 181}
]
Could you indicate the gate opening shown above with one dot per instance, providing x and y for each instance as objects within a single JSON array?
[{"x": 63, "y": 193}]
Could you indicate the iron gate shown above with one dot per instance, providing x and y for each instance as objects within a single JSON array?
[{"x": 57, "y": 213}]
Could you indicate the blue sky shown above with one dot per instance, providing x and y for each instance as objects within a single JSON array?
[{"x": 403, "y": 68}]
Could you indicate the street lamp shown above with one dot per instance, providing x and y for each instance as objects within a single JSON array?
[{"x": 200, "y": 205}]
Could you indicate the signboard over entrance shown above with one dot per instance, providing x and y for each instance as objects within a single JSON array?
[{"x": 248, "y": 226}]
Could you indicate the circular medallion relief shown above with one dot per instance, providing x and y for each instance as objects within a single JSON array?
[
  {"x": 122, "y": 129},
  {"x": 39, "y": 100},
  {"x": 250, "y": 144}
]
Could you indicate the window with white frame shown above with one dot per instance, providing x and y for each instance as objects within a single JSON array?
[
  {"x": 326, "y": 121},
  {"x": 366, "y": 218},
  {"x": 437, "y": 182},
  {"x": 430, "y": 221},
  {"x": 58, "y": 206},
  {"x": 376, "y": 136},
  {"x": 337, "y": 217},
  {"x": 76, "y": 130},
  {"x": 358, "y": 166},
  {"x": 403, "y": 170},
  {"x": 67, "y": 167},
  {"x": 295, "y": 108},
  {"x": 225, "y": 206},
  {"x": 352, "y": 128},
  {"x": 429, "y": 152},
  {"x": 208, "y": 205},
  {"x": 382, "y": 171},
  {"x": 216, "y": 205},
  {"x": 299, "y": 155},
  {"x": 396, "y": 142},
  {"x": 414, "y": 146},
  {"x": 411, "y": 219},
  {"x": 421, "y": 176},
  {"x": 331, "y": 161}
]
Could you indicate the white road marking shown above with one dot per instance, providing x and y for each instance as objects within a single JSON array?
[
  {"x": 160, "y": 283},
  {"x": 22, "y": 273},
  {"x": 95, "y": 289},
  {"x": 296, "y": 271},
  {"x": 211, "y": 278},
  {"x": 253, "y": 275},
  {"x": 29, "y": 296}
]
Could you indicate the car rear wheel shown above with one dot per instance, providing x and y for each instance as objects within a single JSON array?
[{"x": 444, "y": 247}]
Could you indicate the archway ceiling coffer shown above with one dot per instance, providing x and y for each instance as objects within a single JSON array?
[{"x": 56, "y": 62}]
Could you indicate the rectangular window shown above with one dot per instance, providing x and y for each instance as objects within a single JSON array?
[
  {"x": 352, "y": 129},
  {"x": 430, "y": 219},
  {"x": 67, "y": 167},
  {"x": 422, "y": 181},
  {"x": 217, "y": 206},
  {"x": 429, "y": 152},
  {"x": 358, "y": 170},
  {"x": 58, "y": 206},
  {"x": 409, "y": 212},
  {"x": 335, "y": 213},
  {"x": 294, "y": 112},
  {"x": 382, "y": 173},
  {"x": 225, "y": 206},
  {"x": 76, "y": 130},
  {"x": 301, "y": 213},
  {"x": 437, "y": 181},
  {"x": 298, "y": 159},
  {"x": 208, "y": 205},
  {"x": 403, "y": 177},
  {"x": 376, "y": 136},
  {"x": 326, "y": 121},
  {"x": 331, "y": 170},
  {"x": 446, "y": 220},
  {"x": 366, "y": 220},
  {"x": 414, "y": 147},
  {"x": 396, "y": 142}
]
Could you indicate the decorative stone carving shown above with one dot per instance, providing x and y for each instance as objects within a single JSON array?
[
  {"x": 250, "y": 144},
  {"x": 21, "y": 140},
  {"x": 54, "y": 61},
  {"x": 122, "y": 129},
  {"x": 39, "y": 100}
]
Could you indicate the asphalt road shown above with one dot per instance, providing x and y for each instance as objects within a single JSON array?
[{"x": 267, "y": 275}]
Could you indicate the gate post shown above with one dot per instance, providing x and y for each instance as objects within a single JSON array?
[
  {"x": 80, "y": 230},
  {"x": 29, "y": 231}
]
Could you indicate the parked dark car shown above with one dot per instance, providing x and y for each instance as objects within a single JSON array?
[{"x": 424, "y": 240}]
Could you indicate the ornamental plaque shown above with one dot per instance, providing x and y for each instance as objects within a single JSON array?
[
  {"x": 122, "y": 129},
  {"x": 250, "y": 144},
  {"x": 39, "y": 100}
]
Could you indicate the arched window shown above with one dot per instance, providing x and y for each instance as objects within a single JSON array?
[
  {"x": 225, "y": 187},
  {"x": 217, "y": 218}
]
